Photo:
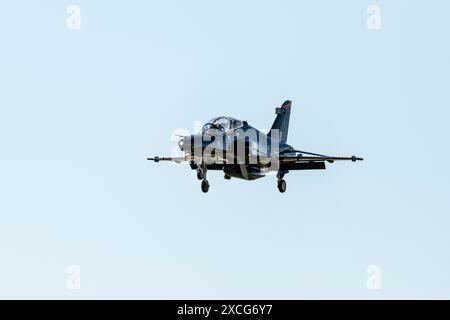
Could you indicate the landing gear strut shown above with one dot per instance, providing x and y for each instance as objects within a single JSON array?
[
  {"x": 281, "y": 182},
  {"x": 200, "y": 174}
]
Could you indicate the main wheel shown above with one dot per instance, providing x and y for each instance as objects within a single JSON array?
[
  {"x": 205, "y": 186},
  {"x": 199, "y": 174},
  {"x": 282, "y": 185}
]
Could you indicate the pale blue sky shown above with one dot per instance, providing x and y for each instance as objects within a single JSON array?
[{"x": 81, "y": 110}]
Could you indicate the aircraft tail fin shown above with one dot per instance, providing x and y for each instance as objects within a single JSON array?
[{"x": 281, "y": 122}]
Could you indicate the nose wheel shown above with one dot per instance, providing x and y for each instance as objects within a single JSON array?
[
  {"x": 205, "y": 186},
  {"x": 282, "y": 185}
]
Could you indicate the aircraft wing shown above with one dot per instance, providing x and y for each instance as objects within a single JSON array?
[
  {"x": 174, "y": 159},
  {"x": 301, "y": 162},
  {"x": 300, "y": 159},
  {"x": 281, "y": 159}
]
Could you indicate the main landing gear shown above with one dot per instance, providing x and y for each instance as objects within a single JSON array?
[
  {"x": 201, "y": 175},
  {"x": 281, "y": 182}
]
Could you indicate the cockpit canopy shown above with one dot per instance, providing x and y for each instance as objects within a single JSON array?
[{"x": 223, "y": 124}]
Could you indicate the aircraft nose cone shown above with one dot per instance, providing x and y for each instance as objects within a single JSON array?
[
  {"x": 182, "y": 143},
  {"x": 186, "y": 142}
]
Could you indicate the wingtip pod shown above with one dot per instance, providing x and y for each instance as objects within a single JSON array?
[
  {"x": 156, "y": 159},
  {"x": 355, "y": 158}
]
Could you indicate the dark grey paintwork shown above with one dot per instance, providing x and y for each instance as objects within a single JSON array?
[{"x": 241, "y": 151}]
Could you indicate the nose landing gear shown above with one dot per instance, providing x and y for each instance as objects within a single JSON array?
[{"x": 201, "y": 175}]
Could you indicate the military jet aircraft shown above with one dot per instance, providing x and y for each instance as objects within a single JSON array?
[{"x": 241, "y": 151}]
